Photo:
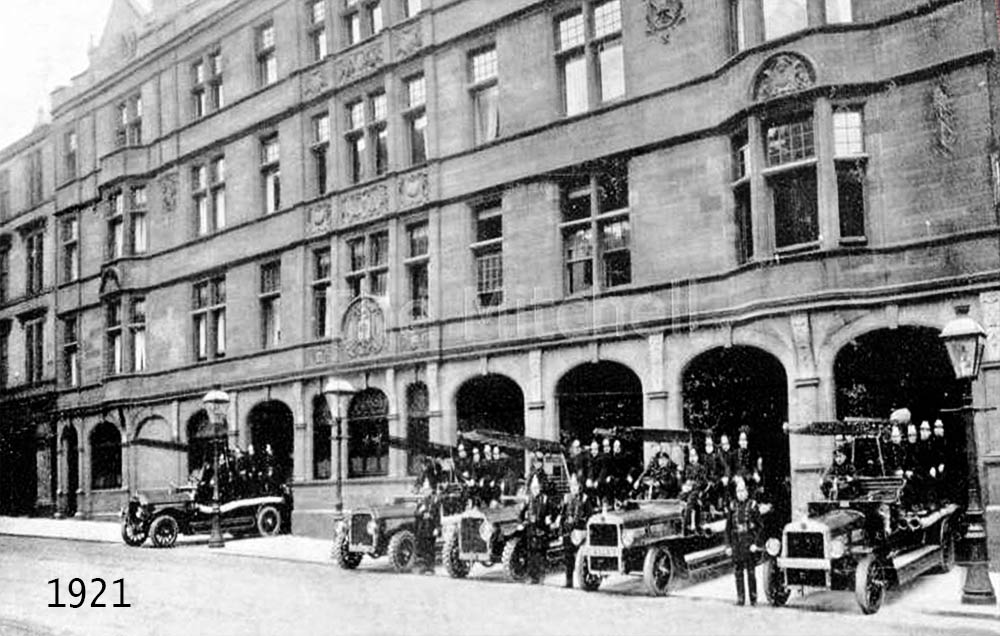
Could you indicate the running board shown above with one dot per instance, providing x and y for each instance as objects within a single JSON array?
[
  {"x": 912, "y": 564},
  {"x": 705, "y": 557}
]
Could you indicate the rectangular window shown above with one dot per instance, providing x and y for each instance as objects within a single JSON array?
[
  {"x": 271, "y": 174},
  {"x": 116, "y": 225},
  {"x": 415, "y": 118},
  {"x": 321, "y": 280},
  {"x": 378, "y": 133},
  {"x": 4, "y": 274},
  {"x": 35, "y": 178},
  {"x": 128, "y": 122},
  {"x": 782, "y": 17},
  {"x": 320, "y": 151},
  {"x": 790, "y": 142},
  {"x": 796, "y": 214},
  {"x": 70, "y": 237},
  {"x": 586, "y": 60},
  {"x": 34, "y": 261},
  {"x": 206, "y": 85},
  {"x": 34, "y": 361},
  {"x": 316, "y": 32},
  {"x": 851, "y": 163},
  {"x": 375, "y": 17},
  {"x": 137, "y": 332},
  {"x": 139, "y": 234},
  {"x": 417, "y": 261},
  {"x": 411, "y": 8},
  {"x": 488, "y": 254},
  {"x": 368, "y": 264},
  {"x": 71, "y": 351},
  {"x": 4, "y": 194},
  {"x": 352, "y": 23},
  {"x": 848, "y": 133},
  {"x": 485, "y": 95},
  {"x": 114, "y": 351},
  {"x": 209, "y": 318},
  {"x": 71, "y": 148},
  {"x": 218, "y": 187},
  {"x": 270, "y": 304},
  {"x": 267, "y": 59},
  {"x": 839, "y": 11},
  {"x": 199, "y": 185},
  {"x": 737, "y": 27}
]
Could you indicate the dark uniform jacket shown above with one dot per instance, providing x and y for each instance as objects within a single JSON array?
[
  {"x": 697, "y": 475},
  {"x": 894, "y": 456},
  {"x": 743, "y": 527},
  {"x": 576, "y": 509},
  {"x": 744, "y": 462},
  {"x": 715, "y": 466},
  {"x": 841, "y": 473},
  {"x": 668, "y": 481}
]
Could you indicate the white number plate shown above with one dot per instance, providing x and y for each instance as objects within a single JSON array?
[{"x": 602, "y": 551}]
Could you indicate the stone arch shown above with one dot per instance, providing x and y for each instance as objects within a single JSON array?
[
  {"x": 368, "y": 434},
  {"x": 600, "y": 394},
  {"x": 417, "y": 425},
  {"x": 492, "y": 401},
  {"x": 272, "y": 423},
  {"x": 154, "y": 456},
  {"x": 69, "y": 445},
  {"x": 200, "y": 440},
  {"x": 106, "y": 457}
]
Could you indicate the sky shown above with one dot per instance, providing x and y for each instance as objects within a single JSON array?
[{"x": 43, "y": 43}]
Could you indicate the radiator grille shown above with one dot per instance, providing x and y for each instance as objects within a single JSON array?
[
  {"x": 604, "y": 534},
  {"x": 804, "y": 545},
  {"x": 359, "y": 530},
  {"x": 469, "y": 539}
]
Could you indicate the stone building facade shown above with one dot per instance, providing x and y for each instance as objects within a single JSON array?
[{"x": 537, "y": 216}]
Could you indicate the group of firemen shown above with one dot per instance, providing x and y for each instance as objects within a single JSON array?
[{"x": 242, "y": 474}]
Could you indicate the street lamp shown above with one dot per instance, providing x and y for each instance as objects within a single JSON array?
[
  {"x": 336, "y": 390},
  {"x": 216, "y": 403},
  {"x": 965, "y": 340}
]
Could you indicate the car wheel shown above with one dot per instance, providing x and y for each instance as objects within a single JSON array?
[
  {"x": 870, "y": 582},
  {"x": 515, "y": 559},
  {"x": 453, "y": 563},
  {"x": 659, "y": 572},
  {"x": 402, "y": 551},
  {"x": 164, "y": 530},
  {"x": 582, "y": 577},
  {"x": 775, "y": 590},
  {"x": 268, "y": 521},
  {"x": 133, "y": 533},
  {"x": 947, "y": 548},
  {"x": 341, "y": 553}
]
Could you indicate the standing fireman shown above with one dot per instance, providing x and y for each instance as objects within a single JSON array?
[
  {"x": 574, "y": 514},
  {"x": 428, "y": 517},
  {"x": 743, "y": 527},
  {"x": 536, "y": 516}
]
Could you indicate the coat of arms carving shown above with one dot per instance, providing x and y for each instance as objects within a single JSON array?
[
  {"x": 364, "y": 328},
  {"x": 663, "y": 16},
  {"x": 783, "y": 74}
]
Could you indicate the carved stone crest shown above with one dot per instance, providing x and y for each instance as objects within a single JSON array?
[
  {"x": 168, "y": 191},
  {"x": 408, "y": 42},
  {"x": 364, "y": 205},
  {"x": 314, "y": 83},
  {"x": 412, "y": 340},
  {"x": 783, "y": 74},
  {"x": 319, "y": 218},
  {"x": 318, "y": 356},
  {"x": 413, "y": 190},
  {"x": 663, "y": 16},
  {"x": 364, "y": 328},
  {"x": 360, "y": 63}
]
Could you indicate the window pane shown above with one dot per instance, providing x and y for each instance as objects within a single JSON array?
[
  {"x": 321, "y": 128},
  {"x": 139, "y": 350},
  {"x": 271, "y": 152},
  {"x": 379, "y": 282},
  {"x": 417, "y": 235},
  {"x": 219, "y": 203},
  {"x": 356, "y": 152},
  {"x": 139, "y": 233},
  {"x": 487, "y": 114},
  {"x": 375, "y": 12},
  {"x": 202, "y": 204},
  {"x": 570, "y": 31},
  {"x": 575, "y": 85},
  {"x": 489, "y": 224},
  {"x": 318, "y": 13},
  {"x": 416, "y": 92},
  {"x": 266, "y": 37},
  {"x": 321, "y": 264},
  {"x": 782, "y": 17},
  {"x": 612, "y": 71},
  {"x": 413, "y": 7},
  {"x": 379, "y": 251},
  {"x": 795, "y": 209},
  {"x": 484, "y": 65},
  {"x": 744, "y": 224},
  {"x": 612, "y": 188},
  {"x": 220, "y": 332},
  {"x": 790, "y": 142},
  {"x": 356, "y": 248},
  {"x": 489, "y": 278},
  {"x": 378, "y": 106},
  {"x": 355, "y": 115},
  {"x": 418, "y": 290},
  {"x": 838, "y": 11},
  {"x": 320, "y": 322},
  {"x": 353, "y": 28},
  {"x": 576, "y": 205},
  {"x": 418, "y": 139},
  {"x": 607, "y": 18},
  {"x": 848, "y": 133},
  {"x": 851, "y": 198},
  {"x": 381, "y": 151}
]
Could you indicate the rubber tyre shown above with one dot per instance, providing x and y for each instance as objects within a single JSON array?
[
  {"x": 268, "y": 521},
  {"x": 775, "y": 591},
  {"x": 133, "y": 534},
  {"x": 341, "y": 553},
  {"x": 515, "y": 559},
  {"x": 582, "y": 578},
  {"x": 870, "y": 583},
  {"x": 453, "y": 563},
  {"x": 947, "y": 549},
  {"x": 402, "y": 551},
  {"x": 164, "y": 531},
  {"x": 659, "y": 571}
]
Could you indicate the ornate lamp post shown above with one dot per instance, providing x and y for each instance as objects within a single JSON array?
[
  {"x": 216, "y": 403},
  {"x": 965, "y": 340},
  {"x": 336, "y": 390}
]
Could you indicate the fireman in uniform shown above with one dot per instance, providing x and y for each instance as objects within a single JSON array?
[
  {"x": 427, "y": 516},
  {"x": 838, "y": 482},
  {"x": 942, "y": 455},
  {"x": 576, "y": 509},
  {"x": 715, "y": 471},
  {"x": 743, "y": 528},
  {"x": 537, "y": 519},
  {"x": 693, "y": 489}
]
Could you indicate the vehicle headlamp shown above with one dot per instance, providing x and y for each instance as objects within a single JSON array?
[
  {"x": 578, "y": 536},
  {"x": 838, "y": 548},
  {"x": 629, "y": 537},
  {"x": 773, "y": 546},
  {"x": 486, "y": 531},
  {"x": 372, "y": 527}
]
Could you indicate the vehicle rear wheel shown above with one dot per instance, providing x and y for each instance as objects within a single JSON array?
[
  {"x": 453, "y": 563},
  {"x": 870, "y": 583},
  {"x": 133, "y": 533},
  {"x": 659, "y": 571},
  {"x": 947, "y": 548},
  {"x": 164, "y": 530},
  {"x": 775, "y": 590},
  {"x": 402, "y": 551},
  {"x": 582, "y": 577},
  {"x": 268, "y": 521},
  {"x": 341, "y": 552},
  {"x": 515, "y": 559}
]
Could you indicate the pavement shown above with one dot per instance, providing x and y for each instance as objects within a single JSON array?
[{"x": 931, "y": 594}]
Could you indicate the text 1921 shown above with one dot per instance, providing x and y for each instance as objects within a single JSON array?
[{"x": 78, "y": 590}]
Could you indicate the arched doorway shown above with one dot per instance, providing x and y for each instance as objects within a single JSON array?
[
  {"x": 727, "y": 388},
  {"x": 598, "y": 395},
  {"x": 200, "y": 438},
  {"x": 271, "y": 423},
  {"x": 105, "y": 457},
  {"x": 368, "y": 435},
  {"x": 906, "y": 367},
  {"x": 490, "y": 402},
  {"x": 71, "y": 452}
]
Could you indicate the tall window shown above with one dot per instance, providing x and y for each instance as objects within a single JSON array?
[
  {"x": 140, "y": 234},
  {"x": 791, "y": 175},
  {"x": 34, "y": 261},
  {"x": 70, "y": 149},
  {"x": 316, "y": 30},
  {"x": 321, "y": 280},
  {"x": 356, "y": 142},
  {"x": 4, "y": 194},
  {"x": 35, "y": 178},
  {"x": 368, "y": 435},
  {"x": 782, "y": 17},
  {"x": 34, "y": 360},
  {"x": 369, "y": 264},
  {"x": 128, "y": 122},
  {"x": 737, "y": 27},
  {"x": 270, "y": 169},
  {"x": 488, "y": 253},
  {"x": 596, "y": 229},
  {"x": 375, "y": 21},
  {"x": 366, "y": 128},
  {"x": 4, "y": 273},
  {"x": 71, "y": 351},
  {"x": 839, "y": 11},
  {"x": 417, "y": 425},
  {"x": 116, "y": 225},
  {"x": 209, "y": 318},
  {"x": 70, "y": 236},
  {"x": 322, "y": 434},
  {"x": 4, "y": 352},
  {"x": 851, "y": 162},
  {"x": 105, "y": 457},
  {"x": 208, "y": 182},
  {"x": 137, "y": 333},
  {"x": 114, "y": 349},
  {"x": 320, "y": 150},
  {"x": 270, "y": 304},
  {"x": 215, "y": 88},
  {"x": 206, "y": 85},
  {"x": 361, "y": 19},
  {"x": 485, "y": 95},
  {"x": 415, "y": 117},
  {"x": 590, "y": 65},
  {"x": 411, "y": 7},
  {"x": 267, "y": 58},
  {"x": 417, "y": 261},
  {"x": 352, "y": 22},
  {"x": 741, "y": 198},
  {"x": 379, "y": 133}
]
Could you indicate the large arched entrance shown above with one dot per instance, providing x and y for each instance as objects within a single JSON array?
[
  {"x": 368, "y": 434},
  {"x": 725, "y": 389},
  {"x": 272, "y": 424},
  {"x": 71, "y": 452},
  {"x": 598, "y": 395},
  {"x": 200, "y": 438},
  {"x": 492, "y": 402}
]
